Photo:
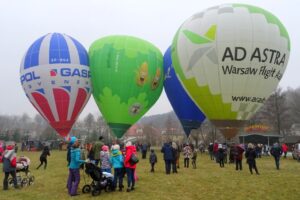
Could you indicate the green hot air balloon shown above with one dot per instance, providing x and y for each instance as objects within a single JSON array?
[{"x": 126, "y": 77}]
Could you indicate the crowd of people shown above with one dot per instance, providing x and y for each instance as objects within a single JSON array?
[
  {"x": 121, "y": 159},
  {"x": 219, "y": 152}
]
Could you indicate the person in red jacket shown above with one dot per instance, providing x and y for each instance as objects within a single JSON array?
[
  {"x": 284, "y": 148},
  {"x": 129, "y": 166},
  {"x": 215, "y": 150}
]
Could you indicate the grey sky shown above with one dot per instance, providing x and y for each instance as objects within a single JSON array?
[{"x": 22, "y": 22}]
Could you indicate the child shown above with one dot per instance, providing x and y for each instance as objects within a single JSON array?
[
  {"x": 105, "y": 159},
  {"x": 152, "y": 159},
  {"x": 194, "y": 158},
  {"x": 117, "y": 162},
  {"x": 43, "y": 157}
]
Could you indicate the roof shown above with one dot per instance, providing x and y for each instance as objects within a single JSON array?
[
  {"x": 260, "y": 134},
  {"x": 291, "y": 139}
]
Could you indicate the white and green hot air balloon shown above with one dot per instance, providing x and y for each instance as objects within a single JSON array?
[{"x": 230, "y": 58}]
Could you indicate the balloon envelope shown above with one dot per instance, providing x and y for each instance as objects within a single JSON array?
[
  {"x": 230, "y": 58},
  {"x": 127, "y": 79},
  {"x": 186, "y": 110},
  {"x": 56, "y": 79}
]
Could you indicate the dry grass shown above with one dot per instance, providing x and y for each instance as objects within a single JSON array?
[{"x": 208, "y": 181}]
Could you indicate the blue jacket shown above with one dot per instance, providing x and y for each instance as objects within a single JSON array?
[
  {"x": 167, "y": 151},
  {"x": 117, "y": 159},
  {"x": 75, "y": 159}
]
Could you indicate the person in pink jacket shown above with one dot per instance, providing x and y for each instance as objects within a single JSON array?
[{"x": 129, "y": 166}]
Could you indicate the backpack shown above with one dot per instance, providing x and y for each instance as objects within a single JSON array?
[{"x": 133, "y": 159}]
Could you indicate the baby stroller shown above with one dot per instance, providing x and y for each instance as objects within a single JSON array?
[
  {"x": 101, "y": 180},
  {"x": 23, "y": 174}
]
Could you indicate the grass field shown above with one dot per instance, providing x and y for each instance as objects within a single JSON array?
[{"x": 208, "y": 181}]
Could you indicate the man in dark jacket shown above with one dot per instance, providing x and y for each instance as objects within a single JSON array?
[
  {"x": 168, "y": 156},
  {"x": 251, "y": 155},
  {"x": 276, "y": 152},
  {"x": 43, "y": 157}
]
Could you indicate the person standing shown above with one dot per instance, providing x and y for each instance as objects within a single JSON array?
[
  {"x": 117, "y": 162},
  {"x": 152, "y": 159},
  {"x": 215, "y": 150},
  {"x": 238, "y": 157},
  {"x": 130, "y": 166},
  {"x": 251, "y": 155},
  {"x": 175, "y": 153},
  {"x": 75, "y": 162},
  {"x": 211, "y": 150},
  {"x": 168, "y": 156},
  {"x": 95, "y": 150},
  {"x": 194, "y": 157},
  {"x": 9, "y": 166},
  {"x": 276, "y": 152},
  {"x": 284, "y": 148},
  {"x": 105, "y": 159},
  {"x": 221, "y": 155},
  {"x": 43, "y": 157},
  {"x": 187, "y": 152},
  {"x": 144, "y": 148}
]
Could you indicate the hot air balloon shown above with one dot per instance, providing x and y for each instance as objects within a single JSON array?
[
  {"x": 229, "y": 59},
  {"x": 56, "y": 79},
  {"x": 186, "y": 110},
  {"x": 126, "y": 78}
]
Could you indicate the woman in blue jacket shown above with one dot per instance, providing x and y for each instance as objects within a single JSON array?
[{"x": 74, "y": 175}]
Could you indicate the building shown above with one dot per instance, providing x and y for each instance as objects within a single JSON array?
[{"x": 259, "y": 134}]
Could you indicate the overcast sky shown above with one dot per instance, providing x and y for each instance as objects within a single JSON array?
[{"x": 24, "y": 21}]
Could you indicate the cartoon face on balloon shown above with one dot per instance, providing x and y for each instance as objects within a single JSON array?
[
  {"x": 230, "y": 58},
  {"x": 56, "y": 79}
]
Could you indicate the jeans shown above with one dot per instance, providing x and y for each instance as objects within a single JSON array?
[
  {"x": 73, "y": 181},
  {"x": 118, "y": 176},
  {"x": 5, "y": 181},
  {"x": 186, "y": 162},
  {"x": 43, "y": 160},
  {"x": 277, "y": 158},
  {"x": 168, "y": 166},
  {"x": 130, "y": 177},
  {"x": 252, "y": 165},
  {"x": 238, "y": 164}
]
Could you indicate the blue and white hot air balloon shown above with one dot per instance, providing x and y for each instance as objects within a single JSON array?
[
  {"x": 55, "y": 76},
  {"x": 189, "y": 115}
]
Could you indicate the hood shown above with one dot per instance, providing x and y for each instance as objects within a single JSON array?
[{"x": 131, "y": 148}]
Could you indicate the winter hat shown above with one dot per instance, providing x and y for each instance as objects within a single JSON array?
[
  {"x": 104, "y": 148},
  {"x": 128, "y": 144},
  {"x": 73, "y": 139},
  {"x": 116, "y": 147}
]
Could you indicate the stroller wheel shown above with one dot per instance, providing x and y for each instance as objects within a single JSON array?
[
  {"x": 96, "y": 192},
  {"x": 10, "y": 182},
  {"x": 86, "y": 189},
  {"x": 24, "y": 182},
  {"x": 31, "y": 180}
]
